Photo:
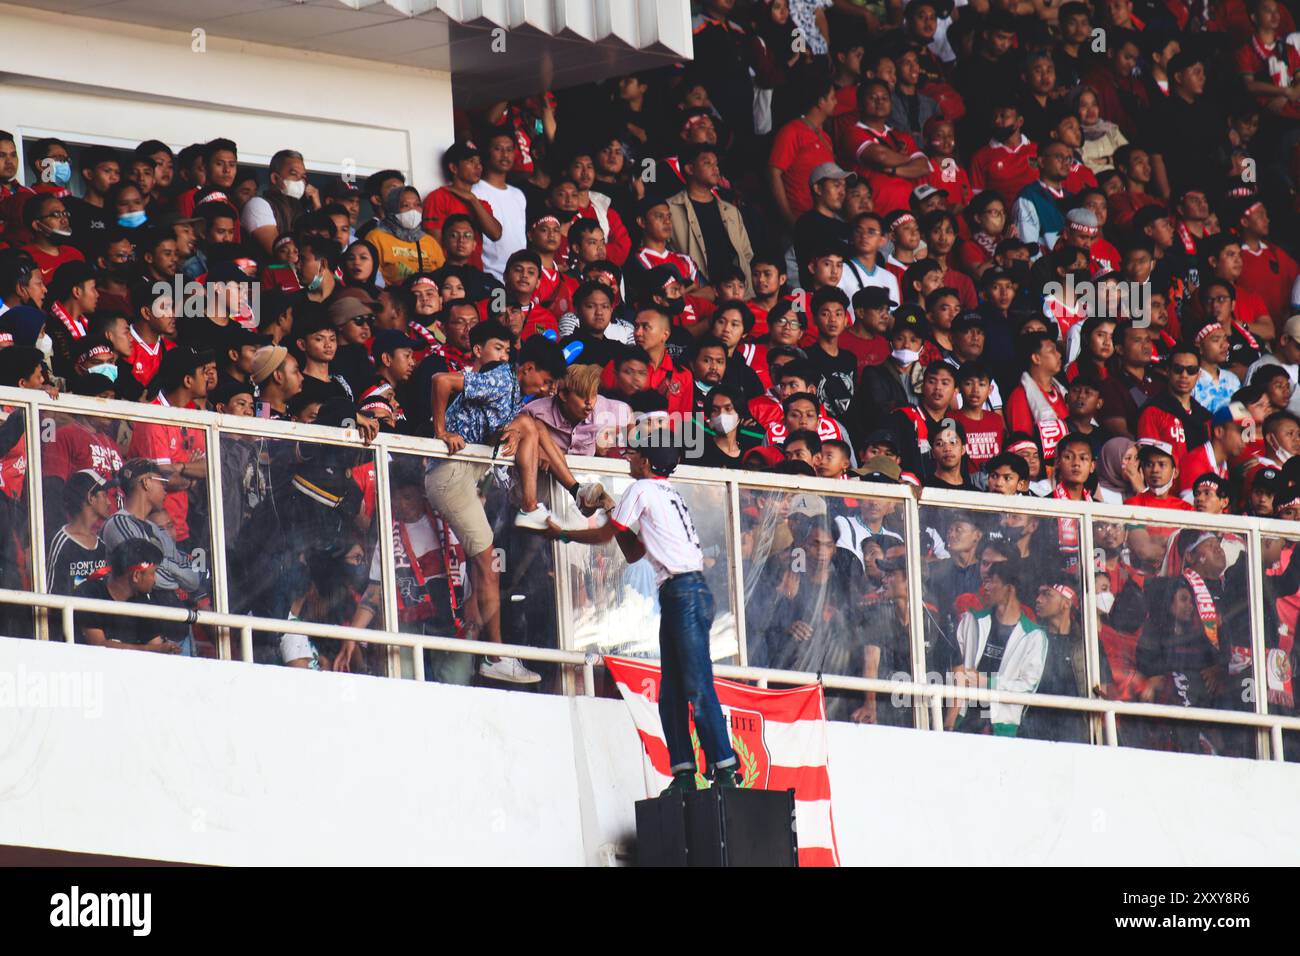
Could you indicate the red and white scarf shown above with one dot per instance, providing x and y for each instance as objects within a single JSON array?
[
  {"x": 1067, "y": 529},
  {"x": 1205, "y": 608},
  {"x": 76, "y": 327}
]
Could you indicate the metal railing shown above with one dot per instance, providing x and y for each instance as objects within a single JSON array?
[{"x": 1101, "y": 712}]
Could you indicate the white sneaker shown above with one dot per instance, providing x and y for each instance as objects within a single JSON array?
[
  {"x": 534, "y": 520},
  {"x": 508, "y": 669}
]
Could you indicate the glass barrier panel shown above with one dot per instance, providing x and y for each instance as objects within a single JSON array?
[
  {"x": 15, "y": 528},
  {"x": 826, "y": 592},
  {"x": 1281, "y": 586},
  {"x": 615, "y": 606},
  {"x": 1003, "y": 592},
  {"x": 97, "y": 509},
  {"x": 300, "y": 537},
  {"x": 1174, "y": 621},
  {"x": 464, "y": 570}
]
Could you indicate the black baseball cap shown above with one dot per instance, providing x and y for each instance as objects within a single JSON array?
[
  {"x": 390, "y": 340},
  {"x": 175, "y": 365},
  {"x": 872, "y": 297}
]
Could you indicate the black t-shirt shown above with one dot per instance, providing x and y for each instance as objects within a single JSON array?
[
  {"x": 116, "y": 627},
  {"x": 712, "y": 456},
  {"x": 717, "y": 245},
  {"x": 69, "y": 564},
  {"x": 838, "y": 374},
  {"x": 89, "y": 223}
]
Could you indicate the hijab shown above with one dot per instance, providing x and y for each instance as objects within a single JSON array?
[
  {"x": 1111, "y": 473},
  {"x": 391, "y": 207}
]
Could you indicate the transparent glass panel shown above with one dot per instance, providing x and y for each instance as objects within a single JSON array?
[
  {"x": 615, "y": 606},
  {"x": 826, "y": 592},
  {"x": 1003, "y": 591},
  {"x": 300, "y": 535},
  {"x": 1281, "y": 587},
  {"x": 15, "y": 527},
  {"x": 1175, "y": 630},
  {"x": 94, "y": 506},
  {"x": 464, "y": 570}
]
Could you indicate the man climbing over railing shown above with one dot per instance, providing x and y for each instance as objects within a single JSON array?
[{"x": 665, "y": 534}]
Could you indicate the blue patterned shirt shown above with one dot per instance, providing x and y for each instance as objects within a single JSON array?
[
  {"x": 489, "y": 403},
  {"x": 1214, "y": 395}
]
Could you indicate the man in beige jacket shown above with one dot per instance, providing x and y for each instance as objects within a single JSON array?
[{"x": 705, "y": 228}]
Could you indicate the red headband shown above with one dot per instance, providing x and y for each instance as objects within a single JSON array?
[
  {"x": 1066, "y": 592},
  {"x": 1021, "y": 446}
]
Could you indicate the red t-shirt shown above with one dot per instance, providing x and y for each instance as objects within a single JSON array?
[
  {"x": 871, "y": 351},
  {"x": 1248, "y": 306},
  {"x": 1125, "y": 205},
  {"x": 618, "y": 244},
  {"x": 888, "y": 193},
  {"x": 965, "y": 288},
  {"x": 1270, "y": 273},
  {"x": 755, "y": 356},
  {"x": 1079, "y": 177},
  {"x": 1005, "y": 170},
  {"x": 684, "y": 264},
  {"x": 983, "y": 437},
  {"x": 50, "y": 263},
  {"x": 796, "y": 151},
  {"x": 440, "y": 204}
]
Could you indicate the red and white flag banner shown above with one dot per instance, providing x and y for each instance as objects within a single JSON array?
[{"x": 779, "y": 736}]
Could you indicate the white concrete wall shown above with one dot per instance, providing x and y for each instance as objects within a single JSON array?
[
  {"x": 76, "y": 76},
  {"x": 229, "y": 763}
]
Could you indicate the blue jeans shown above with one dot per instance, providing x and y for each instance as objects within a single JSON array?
[{"x": 685, "y": 616}]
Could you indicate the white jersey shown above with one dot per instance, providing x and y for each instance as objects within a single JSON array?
[{"x": 666, "y": 528}]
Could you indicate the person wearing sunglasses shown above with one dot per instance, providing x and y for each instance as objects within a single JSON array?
[{"x": 1173, "y": 416}]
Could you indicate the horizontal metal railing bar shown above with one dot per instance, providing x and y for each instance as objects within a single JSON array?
[
  {"x": 578, "y": 659},
  {"x": 405, "y": 444},
  {"x": 274, "y": 626}
]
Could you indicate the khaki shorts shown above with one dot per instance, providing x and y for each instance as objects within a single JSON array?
[{"x": 452, "y": 490}]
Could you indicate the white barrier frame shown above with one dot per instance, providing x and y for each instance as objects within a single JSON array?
[{"x": 1270, "y": 727}]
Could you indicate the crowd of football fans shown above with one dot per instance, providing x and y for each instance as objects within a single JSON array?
[{"x": 1003, "y": 246}]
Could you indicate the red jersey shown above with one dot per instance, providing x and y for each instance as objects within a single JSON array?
[
  {"x": 539, "y": 319},
  {"x": 983, "y": 437},
  {"x": 1155, "y": 422},
  {"x": 683, "y": 263},
  {"x": 947, "y": 176},
  {"x": 1269, "y": 272},
  {"x": 1278, "y": 64},
  {"x": 1020, "y": 417},
  {"x": 888, "y": 193},
  {"x": 1197, "y": 462},
  {"x": 555, "y": 291},
  {"x": 796, "y": 151},
  {"x": 1125, "y": 205},
  {"x": 169, "y": 445},
  {"x": 1149, "y": 499},
  {"x": 1079, "y": 177},
  {"x": 618, "y": 244},
  {"x": 1248, "y": 306},
  {"x": 675, "y": 384},
  {"x": 1004, "y": 169},
  {"x": 146, "y": 358},
  {"x": 13, "y": 463}
]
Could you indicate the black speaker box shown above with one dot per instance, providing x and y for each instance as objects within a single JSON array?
[{"x": 717, "y": 827}]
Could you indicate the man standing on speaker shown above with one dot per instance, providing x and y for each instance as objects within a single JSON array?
[{"x": 652, "y": 521}]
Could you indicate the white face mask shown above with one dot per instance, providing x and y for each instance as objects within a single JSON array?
[
  {"x": 409, "y": 219},
  {"x": 724, "y": 423},
  {"x": 1105, "y": 601},
  {"x": 1164, "y": 489},
  {"x": 1280, "y": 454},
  {"x": 293, "y": 188},
  {"x": 905, "y": 356}
]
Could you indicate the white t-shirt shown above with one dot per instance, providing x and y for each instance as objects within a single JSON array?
[
  {"x": 510, "y": 209},
  {"x": 855, "y": 278},
  {"x": 256, "y": 214},
  {"x": 667, "y": 531}
]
